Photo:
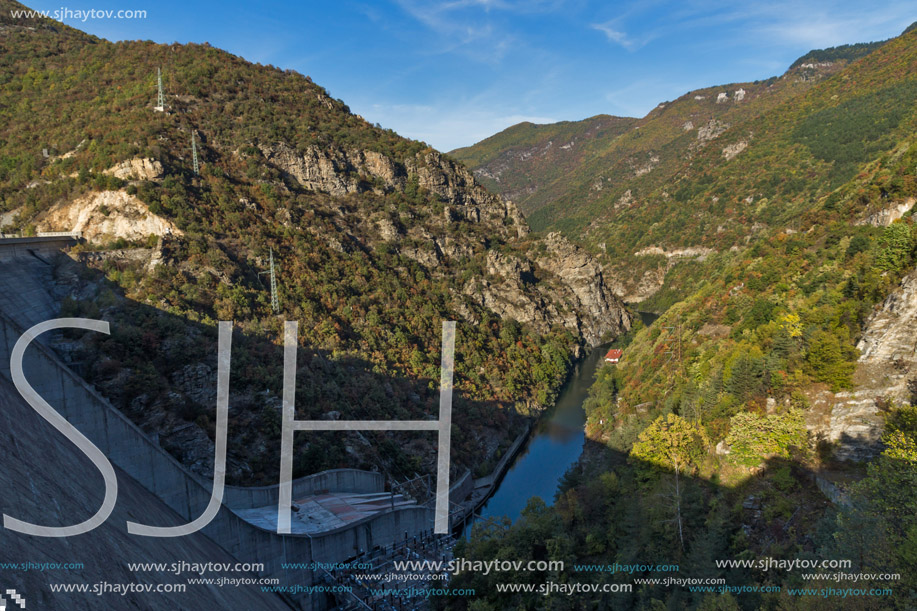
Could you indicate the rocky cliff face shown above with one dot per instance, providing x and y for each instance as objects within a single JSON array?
[
  {"x": 136, "y": 169},
  {"x": 888, "y": 362},
  {"x": 596, "y": 308},
  {"x": 340, "y": 172},
  {"x": 336, "y": 171},
  {"x": 564, "y": 285},
  {"x": 105, "y": 216},
  {"x": 466, "y": 199}
]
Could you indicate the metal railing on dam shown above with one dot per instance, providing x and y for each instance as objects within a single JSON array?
[{"x": 13, "y": 246}]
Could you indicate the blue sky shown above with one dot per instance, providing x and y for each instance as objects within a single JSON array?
[{"x": 453, "y": 72}]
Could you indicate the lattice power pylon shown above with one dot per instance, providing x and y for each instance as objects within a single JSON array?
[
  {"x": 197, "y": 167},
  {"x": 275, "y": 298},
  {"x": 161, "y": 98}
]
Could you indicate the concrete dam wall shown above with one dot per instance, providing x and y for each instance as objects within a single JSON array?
[
  {"x": 143, "y": 460},
  {"x": 54, "y": 484}
]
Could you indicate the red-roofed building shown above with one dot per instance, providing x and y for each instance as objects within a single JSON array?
[{"x": 614, "y": 355}]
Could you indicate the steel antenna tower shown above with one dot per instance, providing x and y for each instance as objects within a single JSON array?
[
  {"x": 197, "y": 167},
  {"x": 161, "y": 99},
  {"x": 676, "y": 353},
  {"x": 275, "y": 299}
]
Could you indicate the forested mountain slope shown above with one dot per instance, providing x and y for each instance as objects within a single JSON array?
[
  {"x": 768, "y": 412},
  {"x": 704, "y": 173},
  {"x": 375, "y": 240}
]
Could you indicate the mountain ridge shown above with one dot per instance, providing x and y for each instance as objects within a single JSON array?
[
  {"x": 375, "y": 239},
  {"x": 698, "y": 144}
]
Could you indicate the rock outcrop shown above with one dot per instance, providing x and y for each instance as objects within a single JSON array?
[
  {"x": 888, "y": 215},
  {"x": 334, "y": 170},
  {"x": 339, "y": 172},
  {"x": 465, "y": 198},
  {"x": 136, "y": 169},
  {"x": 565, "y": 285},
  {"x": 633, "y": 290},
  {"x": 711, "y": 130},
  {"x": 731, "y": 150},
  {"x": 600, "y": 311},
  {"x": 888, "y": 361},
  {"x": 105, "y": 216},
  {"x": 691, "y": 252}
]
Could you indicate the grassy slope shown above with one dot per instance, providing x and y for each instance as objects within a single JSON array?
[{"x": 525, "y": 157}]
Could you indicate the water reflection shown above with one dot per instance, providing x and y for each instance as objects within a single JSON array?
[{"x": 555, "y": 444}]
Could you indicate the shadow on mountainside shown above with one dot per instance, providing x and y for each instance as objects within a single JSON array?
[
  {"x": 160, "y": 370},
  {"x": 612, "y": 509}
]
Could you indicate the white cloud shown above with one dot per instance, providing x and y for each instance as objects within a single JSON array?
[
  {"x": 831, "y": 28},
  {"x": 614, "y": 35},
  {"x": 447, "y": 128}
]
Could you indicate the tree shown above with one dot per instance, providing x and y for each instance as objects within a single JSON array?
[
  {"x": 879, "y": 529},
  {"x": 897, "y": 245},
  {"x": 752, "y": 438},
  {"x": 672, "y": 442},
  {"x": 719, "y": 602},
  {"x": 830, "y": 360},
  {"x": 792, "y": 324}
]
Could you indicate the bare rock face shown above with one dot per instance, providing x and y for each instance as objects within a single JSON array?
[
  {"x": 387, "y": 229},
  {"x": 136, "y": 169},
  {"x": 712, "y": 129},
  {"x": 508, "y": 266},
  {"x": 635, "y": 290},
  {"x": 106, "y": 215},
  {"x": 731, "y": 150},
  {"x": 564, "y": 286},
  {"x": 691, "y": 252},
  {"x": 330, "y": 171},
  {"x": 339, "y": 172},
  {"x": 888, "y": 361},
  {"x": 453, "y": 183},
  {"x": 601, "y": 310},
  {"x": 888, "y": 215}
]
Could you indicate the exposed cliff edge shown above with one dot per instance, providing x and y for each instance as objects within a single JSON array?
[
  {"x": 887, "y": 364},
  {"x": 106, "y": 215},
  {"x": 573, "y": 293},
  {"x": 339, "y": 172},
  {"x": 564, "y": 285}
]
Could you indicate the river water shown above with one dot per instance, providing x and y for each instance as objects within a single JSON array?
[{"x": 555, "y": 444}]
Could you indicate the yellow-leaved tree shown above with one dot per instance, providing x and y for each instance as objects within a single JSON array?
[{"x": 673, "y": 444}]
